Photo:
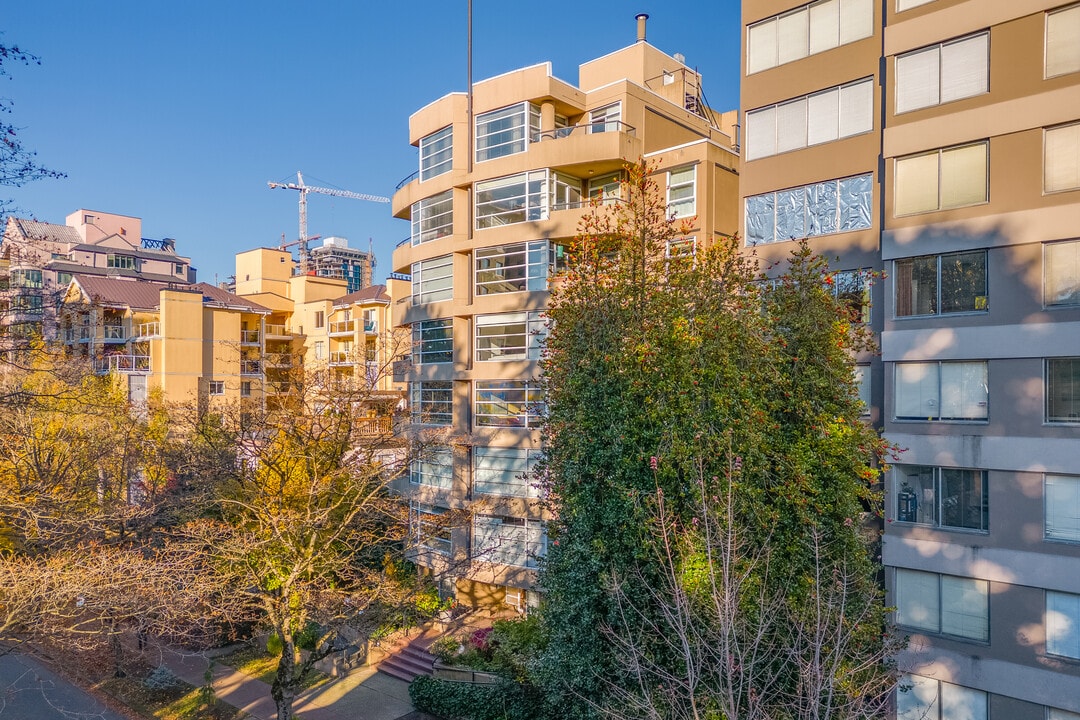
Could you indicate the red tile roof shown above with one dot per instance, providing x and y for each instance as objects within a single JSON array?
[{"x": 372, "y": 292}]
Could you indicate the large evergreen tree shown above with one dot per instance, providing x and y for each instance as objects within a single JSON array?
[{"x": 710, "y": 477}]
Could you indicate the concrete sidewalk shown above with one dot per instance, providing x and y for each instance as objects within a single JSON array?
[{"x": 362, "y": 693}]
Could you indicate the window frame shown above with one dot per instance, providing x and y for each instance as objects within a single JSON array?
[
  {"x": 678, "y": 205},
  {"x": 519, "y": 485},
  {"x": 808, "y": 8},
  {"x": 434, "y": 468},
  {"x": 121, "y": 262},
  {"x": 599, "y": 188},
  {"x": 429, "y": 220},
  {"x": 534, "y": 326},
  {"x": 427, "y": 405},
  {"x": 1072, "y": 418},
  {"x": 532, "y": 203},
  {"x": 760, "y": 119},
  {"x": 426, "y": 335},
  {"x": 427, "y": 276},
  {"x": 937, "y": 300},
  {"x": 940, "y": 206},
  {"x": 432, "y": 146},
  {"x": 938, "y": 364},
  {"x": 1070, "y": 127},
  {"x": 1060, "y": 501},
  {"x": 943, "y": 604},
  {"x": 534, "y": 263},
  {"x": 489, "y": 395},
  {"x": 532, "y": 536},
  {"x": 443, "y": 533},
  {"x": 1074, "y": 65},
  {"x": 940, "y": 499},
  {"x": 938, "y": 707},
  {"x": 525, "y": 124},
  {"x": 813, "y": 222},
  {"x": 607, "y": 118},
  {"x": 941, "y": 72},
  {"x": 1071, "y": 627},
  {"x": 860, "y": 315},
  {"x": 215, "y": 388},
  {"x": 1075, "y": 243}
]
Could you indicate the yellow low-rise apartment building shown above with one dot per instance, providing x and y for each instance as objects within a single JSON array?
[{"x": 506, "y": 173}]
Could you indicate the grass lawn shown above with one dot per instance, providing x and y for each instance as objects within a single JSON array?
[
  {"x": 178, "y": 702},
  {"x": 257, "y": 663}
]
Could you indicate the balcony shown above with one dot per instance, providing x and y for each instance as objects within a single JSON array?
[
  {"x": 147, "y": 330},
  {"x": 249, "y": 337},
  {"x": 278, "y": 360},
  {"x": 278, "y": 332},
  {"x": 370, "y": 326},
  {"x": 128, "y": 364},
  {"x": 250, "y": 367},
  {"x": 609, "y": 126},
  {"x": 375, "y": 426},
  {"x": 340, "y": 357},
  {"x": 276, "y": 388},
  {"x": 342, "y": 327},
  {"x": 114, "y": 334}
]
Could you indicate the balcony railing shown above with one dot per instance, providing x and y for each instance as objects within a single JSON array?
[
  {"x": 249, "y": 337},
  {"x": 412, "y": 176},
  {"x": 114, "y": 333},
  {"x": 340, "y": 357},
  {"x": 122, "y": 364},
  {"x": 370, "y": 326},
  {"x": 404, "y": 242},
  {"x": 147, "y": 330},
  {"x": 585, "y": 128},
  {"x": 374, "y": 427},
  {"x": 342, "y": 327},
  {"x": 277, "y": 330},
  {"x": 250, "y": 367},
  {"x": 278, "y": 360}
]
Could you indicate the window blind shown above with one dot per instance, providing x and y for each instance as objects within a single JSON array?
[
  {"x": 792, "y": 34},
  {"x": 824, "y": 26},
  {"x": 761, "y": 133},
  {"x": 917, "y": 80},
  {"x": 761, "y": 46},
  {"x": 1063, "y": 41},
  {"x": 963, "y": 175},
  {"x": 823, "y": 110},
  {"x": 791, "y": 125},
  {"x": 965, "y": 67},
  {"x": 916, "y": 187},
  {"x": 856, "y": 108},
  {"x": 1061, "y": 158}
]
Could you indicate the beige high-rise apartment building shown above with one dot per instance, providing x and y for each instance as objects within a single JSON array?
[
  {"x": 497, "y": 195},
  {"x": 938, "y": 141}
]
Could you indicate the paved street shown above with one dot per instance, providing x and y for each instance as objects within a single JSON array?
[{"x": 30, "y": 691}]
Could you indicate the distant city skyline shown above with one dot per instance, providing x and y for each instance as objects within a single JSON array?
[{"x": 181, "y": 113}]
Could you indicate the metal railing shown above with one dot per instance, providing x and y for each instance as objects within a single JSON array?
[
  {"x": 404, "y": 242},
  {"x": 122, "y": 364},
  {"x": 341, "y": 327},
  {"x": 249, "y": 337},
  {"x": 339, "y": 357},
  {"x": 277, "y": 330},
  {"x": 114, "y": 332},
  {"x": 412, "y": 176},
  {"x": 148, "y": 329},
  {"x": 250, "y": 367},
  {"x": 373, "y": 427},
  {"x": 585, "y": 128}
]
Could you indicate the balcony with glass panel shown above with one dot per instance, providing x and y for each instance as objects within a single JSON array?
[
  {"x": 114, "y": 332},
  {"x": 125, "y": 364},
  {"x": 250, "y": 367},
  {"x": 338, "y": 328},
  {"x": 277, "y": 332},
  {"x": 147, "y": 331},
  {"x": 249, "y": 337}
]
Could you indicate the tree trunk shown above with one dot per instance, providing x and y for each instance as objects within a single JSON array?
[{"x": 283, "y": 689}]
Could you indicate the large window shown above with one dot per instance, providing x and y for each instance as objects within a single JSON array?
[
  {"x": 605, "y": 119},
  {"x": 946, "y": 178},
  {"x": 512, "y": 199},
  {"x": 433, "y": 341},
  {"x": 606, "y": 189},
  {"x": 820, "y": 209},
  {"x": 1063, "y": 624},
  {"x": 1063, "y": 41},
  {"x": 512, "y": 268},
  {"x": 863, "y": 387},
  {"x": 124, "y": 262},
  {"x": 508, "y": 541},
  {"x": 430, "y": 527},
  {"x": 822, "y": 117},
  {"x": 1061, "y": 273},
  {"x": 1061, "y": 158},
  {"x": 680, "y": 192},
  {"x": 506, "y": 131},
  {"x": 944, "y": 604},
  {"x": 565, "y": 191},
  {"x": 941, "y": 284},
  {"x": 432, "y": 402},
  {"x": 504, "y": 471},
  {"x": 436, "y": 153},
  {"x": 943, "y": 73},
  {"x": 28, "y": 304},
  {"x": 852, "y": 288},
  {"x": 433, "y": 280},
  {"x": 510, "y": 336},
  {"x": 434, "y": 468},
  {"x": 924, "y": 698},
  {"x": 433, "y": 217},
  {"x": 954, "y": 498},
  {"x": 1062, "y": 499},
  {"x": 941, "y": 391},
  {"x": 26, "y": 278},
  {"x": 1063, "y": 390},
  {"x": 508, "y": 403},
  {"x": 807, "y": 30}
]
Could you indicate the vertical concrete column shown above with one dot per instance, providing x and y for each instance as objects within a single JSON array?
[{"x": 547, "y": 119}]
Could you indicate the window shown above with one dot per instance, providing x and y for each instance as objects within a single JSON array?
[
  {"x": 124, "y": 262},
  {"x": 436, "y": 153},
  {"x": 1061, "y": 273},
  {"x": 943, "y": 73},
  {"x": 511, "y": 199},
  {"x": 320, "y": 318},
  {"x": 862, "y": 385},
  {"x": 28, "y": 304},
  {"x": 902, "y": 5},
  {"x": 320, "y": 349},
  {"x": 504, "y": 471},
  {"x": 508, "y": 403},
  {"x": 838, "y": 112},
  {"x": 1063, "y": 390},
  {"x": 245, "y": 388},
  {"x": 434, "y": 468},
  {"x": 1063, "y": 624},
  {"x": 512, "y": 268},
  {"x": 433, "y": 217},
  {"x": 1055, "y": 714},
  {"x": 430, "y": 527},
  {"x": 566, "y": 192},
  {"x": 217, "y": 387},
  {"x": 944, "y": 604},
  {"x": 178, "y": 268},
  {"x": 1063, "y": 41},
  {"x": 432, "y": 402},
  {"x": 941, "y": 284},
  {"x": 433, "y": 280},
  {"x": 508, "y": 541},
  {"x": 1062, "y": 498},
  {"x": 923, "y": 698},
  {"x": 606, "y": 189},
  {"x": 433, "y": 341},
  {"x": 63, "y": 278},
  {"x": 606, "y": 119},
  {"x": 941, "y": 391},
  {"x": 510, "y": 336},
  {"x": 823, "y": 208},
  {"x": 852, "y": 289},
  {"x": 681, "y": 248},
  {"x": 26, "y": 278},
  {"x": 808, "y": 30},
  {"x": 1061, "y": 158},
  {"x": 942, "y": 497},
  {"x": 680, "y": 192},
  {"x": 946, "y": 178},
  {"x": 503, "y": 132}
]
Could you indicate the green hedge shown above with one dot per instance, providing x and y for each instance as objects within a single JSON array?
[{"x": 465, "y": 701}]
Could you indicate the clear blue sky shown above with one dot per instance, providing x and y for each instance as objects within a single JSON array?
[{"x": 180, "y": 112}]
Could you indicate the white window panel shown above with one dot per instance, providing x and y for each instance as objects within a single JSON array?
[
  {"x": 856, "y": 108},
  {"x": 504, "y": 471},
  {"x": 1063, "y": 41},
  {"x": 433, "y": 217},
  {"x": 761, "y": 46},
  {"x": 963, "y": 390},
  {"x": 791, "y": 125},
  {"x": 433, "y": 280},
  {"x": 1061, "y": 273},
  {"x": 509, "y": 336},
  {"x": 963, "y": 175},
  {"x": 436, "y": 153},
  {"x": 681, "y": 192},
  {"x": 434, "y": 468},
  {"x": 917, "y": 600},
  {"x": 965, "y": 607},
  {"x": 792, "y": 31},
  {"x": 948, "y": 178},
  {"x": 916, "y": 395},
  {"x": 1063, "y": 624},
  {"x": 1062, "y": 501},
  {"x": 856, "y": 20},
  {"x": 823, "y": 110},
  {"x": 1061, "y": 158},
  {"x": 916, "y": 187},
  {"x": 824, "y": 26},
  {"x": 761, "y": 133},
  {"x": 784, "y": 127},
  {"x": 1055, "y": 714},
  {"x": 965, "y": 67},
  {"x": 918, "y": 79}
]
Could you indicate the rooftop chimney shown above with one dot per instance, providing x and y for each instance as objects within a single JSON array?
[{"x": 641, "y": 18}]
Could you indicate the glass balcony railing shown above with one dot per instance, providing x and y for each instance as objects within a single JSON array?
[
  {"x": 342, "y": 327},
  {"x": 114, "y": 333},
  {"x": 122, "y": 364},
  {"x": 250, "y": 367},
  {"x": 583, "y": 129},
  {"x": 249, "y": 337},
  {"x": 277, "y": 330},
  {"x": 147, "y": 330}
]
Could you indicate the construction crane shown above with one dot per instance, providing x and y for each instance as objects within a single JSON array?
[{"x": 303, "y": 189}]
